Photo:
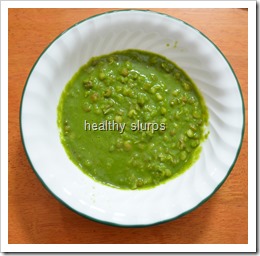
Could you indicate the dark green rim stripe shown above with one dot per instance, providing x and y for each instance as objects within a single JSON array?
[{"x": 129, "y": 225}]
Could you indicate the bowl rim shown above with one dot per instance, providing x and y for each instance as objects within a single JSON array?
[{"x": 110, "y": 222}]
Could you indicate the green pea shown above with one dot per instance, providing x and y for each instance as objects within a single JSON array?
[
  {"x": 119, "y": 97},
  {"x": 163, "y": 110},
  {"x": 186, "y": 86},
  {"x": 193, "y": 127},
  {"x": 168, "y": 156},
  {"x": 118, "y": 88},
  {"x": 66, "y": 128},
  {"x": 109, "y": 81},
  {"x": 137, "y": 107},
  {"x": 118, "y": 119},
  {"x": 182, "y": 145},
  {"x": 178, "y": 114},
  {"x": 141, "y": 99},
  {"x": 134, "y": 186},
  {"x": 190, "y": 133},
  {"x": 147, "y": 86},
  {"x": 153, "y": 60},
  {"x": 88, "y": 164},
  {"x": 166, "y": 138},
  {"x": 153, "y": 113},
  {"x": 128, "y": 64},
  {"x": 124, "y": 72},
  {"x": 175, "y": 161},
  {"x": 134, "y": 75},
  {"x": 168, "y": 173},
  {"x": 165, "y": 67},
  {"x": 110, "y": 60},
  {"x": 94, "y": 97},
  {"x": 108, "y": 92},
  {"x": 110, "y": 117},
  {"x": 139, "y": 182},
  {"x": 188, "y": 150},
  {"x": 176, "y": 92},
  {"x": 196, "y": 114},
  {"x": 184, "y": 99},
  {"x": 159, "y": 173},
  {"x": 127, "y": 145},
  {"x": 127, "y": 92},
  {"x": 162, "y": 157},
  {"x": 86, "y": 94},
  {"x": 172, "y": 103},
  {"x": 88, "y": 84},
  {"x": 141, "y": 79},
  {"x": 177, "y": 75},
  {"x": 97, "y": 110},
  {"x": 153, "y": 90},
  {"x": 156, "y": 88},
  {"x": 87, "y": 107},
  {"x": 159, "y": 96},
  {"x": 194, "y": 143},
  {"x": 192, "y": 100},
  {"x": 132, "y": 113},
  {"x": 102, "y": 76},
  {"x": 164, "y": 120},
  {"x": 183, "y": 155},
  {"x": 89, "y": 70},
  {"x": 120, "y": 112}
]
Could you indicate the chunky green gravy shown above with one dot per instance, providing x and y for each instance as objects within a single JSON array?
[{"x": 132, "y": 119}]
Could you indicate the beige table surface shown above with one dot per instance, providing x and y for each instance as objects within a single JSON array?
[{"x": 35, "y": 216}]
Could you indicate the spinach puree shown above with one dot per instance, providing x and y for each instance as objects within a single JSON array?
[{"x": 132, "y": 119}]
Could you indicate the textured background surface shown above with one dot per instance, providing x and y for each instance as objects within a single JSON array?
[{"x": 36, "y": 217}]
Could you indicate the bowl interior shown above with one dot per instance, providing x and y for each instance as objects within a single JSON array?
[{"x": 157, "y": 33}]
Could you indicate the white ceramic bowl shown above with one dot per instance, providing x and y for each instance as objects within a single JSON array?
[{"x": 157, "y": 33}]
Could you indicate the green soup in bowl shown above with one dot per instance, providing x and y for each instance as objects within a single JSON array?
[
  {"x": 132, "y": 119},
  {"x": 148, "y": 129}
]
